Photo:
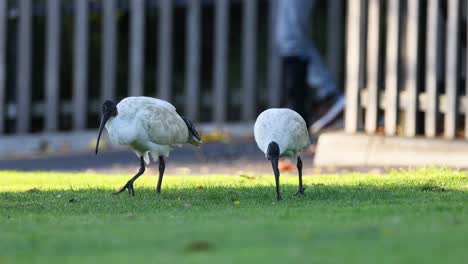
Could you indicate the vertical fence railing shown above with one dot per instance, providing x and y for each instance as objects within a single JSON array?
[
  {"x": 193, "y": 59},
  {"x": 165, "y": 50},
  {"x": 249, "y": 28},
  {"x": 465, "y": 102},
  {"x": 109, "y": 48},
  {"x": 52, "y": 65},
  {"x": 80, "y": 65},
  {"x": 373, "y": 71},
  {"x": 353, "y": 56},
  {"x": 22, "y": 110},
  {"x": 137, "y": 24},
  {"x": 431, "y": 68},
  {"x": 23, "y": 89},
  {"x": 451, "y": 69},
  {"x": 413, "y": 83},
  {"x": 220, "y": 60},
  {"x": 411, "y": 62},
  {"x": 391, "y": 66}
]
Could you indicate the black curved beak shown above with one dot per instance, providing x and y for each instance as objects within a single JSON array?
[{"x": 105, "y": 117}]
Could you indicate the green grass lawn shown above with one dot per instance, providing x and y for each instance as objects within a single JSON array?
[{"x": 418, "y": 216}]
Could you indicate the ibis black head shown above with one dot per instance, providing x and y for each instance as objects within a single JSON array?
[
  {"x": 273, "y": 151},
  {"x": 109, "y": 109}
]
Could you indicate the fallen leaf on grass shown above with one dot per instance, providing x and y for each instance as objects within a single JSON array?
[
  {"x": 247, "y": 176},
  {"x": 285, "y": 165}
]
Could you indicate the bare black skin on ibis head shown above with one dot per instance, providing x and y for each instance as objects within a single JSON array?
[
  {"x": 195, "y": 138},
  {"x": 273, "y": 156},
  {"x": 109, "y": 109}
]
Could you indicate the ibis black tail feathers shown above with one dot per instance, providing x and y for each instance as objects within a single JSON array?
[{"x": 194, "y": 136}]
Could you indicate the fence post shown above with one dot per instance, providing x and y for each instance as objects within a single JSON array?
[
  {"x": 220, "y": 60},
  {"x": 431, "y": 68},
  {"x": 451, "y": 69},
  {"x": 391, "y": 75},
  {"x": 165, "y": 49},
  {"x": 466, "y": 82},
  {"x": 3, "y": 34},
  {"x": 274, "y": 61},
  {"x": 192, "y": 84},
  {"x": 52, "y": 65},
  {"x": 353, "y": 38},
  {"x": 80, "y": 64},
  {"x": 108, "y": 50},
  {"x": 372, "y": 65},
  {"x": 249, "y": 29},
  {"x": 137, "y": 25},
  {"x": 411, "y": 51},
  {"x": 23, "y": 90}
]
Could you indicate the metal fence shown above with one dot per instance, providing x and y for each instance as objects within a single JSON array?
[
  {"x": 406, "y": 68},
  {"x": 17, "y": 111}
]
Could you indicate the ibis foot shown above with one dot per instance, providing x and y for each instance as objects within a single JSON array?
[
  {"x": 279, "y": 198},
  {"x": 300, "y": 192},
  {"x": 128, "y": 186}
]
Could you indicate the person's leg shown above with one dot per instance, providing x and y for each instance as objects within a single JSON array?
[
  {"x": 293, "y": 44},
  {"x": 303, "y": 64},
  {"x": 319, "y": 77},
  {"x": 292, "y": 27}
]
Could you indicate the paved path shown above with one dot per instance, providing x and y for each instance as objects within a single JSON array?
[{"x": 234, "y": 157}]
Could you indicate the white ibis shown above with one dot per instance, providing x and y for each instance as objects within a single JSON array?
[
  {"x": 281, "y": 132},
  {"x": 147, "y": 125}
]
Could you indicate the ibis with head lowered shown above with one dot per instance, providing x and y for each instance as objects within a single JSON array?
[
  {"x": 281, "y": 132},
  {"x": 147, "y": 125}
]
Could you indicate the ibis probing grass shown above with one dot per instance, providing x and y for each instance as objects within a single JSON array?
[
  {"x": 147, "y": 125},
  {"x": 281, "y": 132}
]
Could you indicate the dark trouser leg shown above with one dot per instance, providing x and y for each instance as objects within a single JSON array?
[
  {"x": 295, "y": 85},
  {"x": 129, "y": 184},
  {"x": 274, "y": 164},
  {"x": 162, "y": 167},
  {"x": 299, "y": 169}
]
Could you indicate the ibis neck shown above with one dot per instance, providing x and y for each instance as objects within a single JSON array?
[{"x": 273, "y": 151}]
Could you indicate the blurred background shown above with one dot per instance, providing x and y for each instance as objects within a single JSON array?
[
  {"x": 63, "y": 58},
  {"x": 401, "y": 65}
]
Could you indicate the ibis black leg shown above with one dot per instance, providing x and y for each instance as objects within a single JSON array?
[
  {"x": 129, "y": 185},
  {"x": 299, "y": 169},
  {"x": 274, "y": 164},
  {"x": 162, "y": 167}
]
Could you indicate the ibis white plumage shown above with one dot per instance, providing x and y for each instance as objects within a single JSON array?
[
  {"x": 281, "y": 132},
  {"x": 147, "y": 125}
]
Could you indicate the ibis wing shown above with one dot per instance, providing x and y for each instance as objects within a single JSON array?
[
  {"x": 298, "y": 135},
  {"x": 163, "y": 125}
]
